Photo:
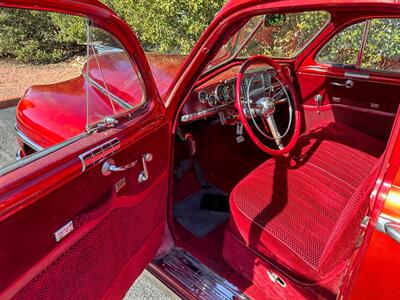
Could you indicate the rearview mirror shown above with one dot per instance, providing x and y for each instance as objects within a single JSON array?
[{"x": 275, "y": 20}]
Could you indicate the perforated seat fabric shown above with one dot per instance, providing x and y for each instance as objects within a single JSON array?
[{"x": 303, "y": 212}]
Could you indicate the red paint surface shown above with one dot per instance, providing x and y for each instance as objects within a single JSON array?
[
  {"x": 380, "y": 264},
  {"x": 65, "y": 102},
  {"x": 24, "y": 188}
]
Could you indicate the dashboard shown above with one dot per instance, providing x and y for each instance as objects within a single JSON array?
[{"x": 217, "y": 96}]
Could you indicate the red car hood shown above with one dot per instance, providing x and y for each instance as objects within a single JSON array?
[{"x": 50, "y": 114}]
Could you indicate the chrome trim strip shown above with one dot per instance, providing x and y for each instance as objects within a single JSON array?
[
  {"x": 204, "y": 113},
  {"x": 33, "y": 157},
  {"x": 116, "y": 99},
  {"x": 27, "y": 140},
  {"x": 356, "y": 75},
  {"x": 18, "y": 155},
  {"x": 196, "y": 279},
  {"x": 96, "y": 154},
  {"x": 382, "y": 221}
]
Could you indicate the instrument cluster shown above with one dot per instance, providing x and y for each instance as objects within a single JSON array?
[{"x": 221, "y": 94}]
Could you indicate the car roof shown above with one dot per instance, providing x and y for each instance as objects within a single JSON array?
[{"x": 234, "y": 4}]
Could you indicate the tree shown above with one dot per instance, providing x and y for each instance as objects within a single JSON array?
[{"x": 171, "y": 26}]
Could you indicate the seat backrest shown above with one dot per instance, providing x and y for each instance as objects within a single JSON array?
[{"x": 344, "y": 236}]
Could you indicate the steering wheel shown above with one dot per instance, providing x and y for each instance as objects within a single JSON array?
[{"x": 258, "y": 94}]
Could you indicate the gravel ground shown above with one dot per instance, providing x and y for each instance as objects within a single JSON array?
[
  {"x": 17, "y": 77},
  {"x": 146, "y": 286},
  {"x": 8, "y": 144},
  {"x": 149, "y": 287}
]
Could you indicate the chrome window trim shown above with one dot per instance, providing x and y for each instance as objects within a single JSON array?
[
  {"x": 27, "y": 140},
  {"x": 357, "y": 75},
  {"x": 33, "y": 157}
]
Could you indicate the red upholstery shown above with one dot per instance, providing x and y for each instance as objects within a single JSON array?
[{"x": 303, "y": 212}]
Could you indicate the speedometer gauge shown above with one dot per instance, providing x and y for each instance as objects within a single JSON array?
[
  {"x": 221, "y": 93},
  {"x": 231, "y": 94},
  {"x": 212, "y": 101},
  {"x": 203, "y": 97}
]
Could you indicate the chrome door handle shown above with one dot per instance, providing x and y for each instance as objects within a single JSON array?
[
  {"x": 144, "y": 175},
  {"x": 109, "y": 167},
  {"x": 393, "y": 230},
  {"x": 348, "y": 84}
]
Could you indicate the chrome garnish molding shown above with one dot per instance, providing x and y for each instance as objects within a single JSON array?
[
  {"x": 97, "y": 154},
  {"x": 195, "y": 277}
]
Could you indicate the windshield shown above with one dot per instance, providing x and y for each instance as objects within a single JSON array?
[{"x": 285, "y": 40}]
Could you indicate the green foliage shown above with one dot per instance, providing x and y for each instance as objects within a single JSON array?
[
  {"x": 168, "y": 26},
  {"x": 34, "y": 36},
  {"x": 343, "y": 48},
  {"x": 174, "y": 26},
  {"x": 171, "y": 26},
  {"x": 382, "y": 49},
  {"x": 288, "y": 39}
]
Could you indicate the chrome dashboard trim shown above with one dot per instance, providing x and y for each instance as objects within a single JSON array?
[
  {"x": 27, "y": 140},
  {"x": 204, "y": 113}
]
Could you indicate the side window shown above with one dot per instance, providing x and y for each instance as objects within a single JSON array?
[
  {"x": 61, "y": 76},
  {"x": 113, "y": 79},
  {"x": 382, "y": 49},
  {"x": 342, "y": 49}
]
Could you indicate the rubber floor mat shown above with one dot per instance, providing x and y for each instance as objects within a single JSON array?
[{"x": 197, "y": 220}]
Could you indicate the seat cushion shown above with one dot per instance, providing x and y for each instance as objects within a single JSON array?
[{"x": 294, "y": 210}]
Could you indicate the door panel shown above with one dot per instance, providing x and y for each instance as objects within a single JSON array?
[
  {"x": 72, "y": 232},
  {"x": 109, "y": 227},
  {"x": 371, "y": 97}
]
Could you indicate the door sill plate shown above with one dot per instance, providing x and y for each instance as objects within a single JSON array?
[{"x": 195, "y": 277}]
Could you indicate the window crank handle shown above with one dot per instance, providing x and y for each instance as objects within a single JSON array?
[{"x": 144, "y": 175}]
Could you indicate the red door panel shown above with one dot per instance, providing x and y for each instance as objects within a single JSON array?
[
  {"x": 368, "y": 99},
  {"x": 366, "y": 91},
  {"x": 110, "y": 229}
]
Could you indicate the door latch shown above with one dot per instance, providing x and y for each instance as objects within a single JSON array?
[
  {"x": 109, "y": 167},
  {"x": 348, "y": 84}
]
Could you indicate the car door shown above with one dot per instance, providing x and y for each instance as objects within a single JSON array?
[
  {"x": 372, "y": 273},
  {"x": 83, "y": 219},
  {"x": 353, "y": 74}
]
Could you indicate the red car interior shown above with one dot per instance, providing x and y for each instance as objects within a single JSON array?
[
  {"x": 296, "y": 216},
  {"x": 301, "y": 214},
  {"x": 276, "y": 227}
]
